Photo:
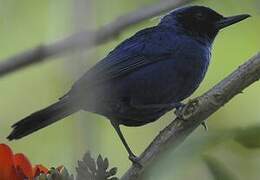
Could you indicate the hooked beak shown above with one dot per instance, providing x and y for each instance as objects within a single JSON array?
[{"x": 227, "y": 21}]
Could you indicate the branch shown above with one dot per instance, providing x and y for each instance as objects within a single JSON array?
[
  {"x": 196, "y": 111},
  {"x": 87, "y": 39}
]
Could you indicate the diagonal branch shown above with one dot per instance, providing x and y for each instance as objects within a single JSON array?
[
  {"x": 196, "y": 111},
  {"x": 87, "y": 39}
]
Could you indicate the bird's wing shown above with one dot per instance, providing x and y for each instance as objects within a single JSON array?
[{"x": 145, "y": 47}]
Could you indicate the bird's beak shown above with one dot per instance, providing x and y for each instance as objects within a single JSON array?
[{"x": 227, "y": 21}]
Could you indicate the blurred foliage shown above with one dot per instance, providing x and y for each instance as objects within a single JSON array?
[
  {"x": 218, "y": 170},
  {"x": 89, "y": 169},
  {"x": 249, "y": 137},
  {"x": 56, "y": 174},
  {"x": 24, "y": 24}
]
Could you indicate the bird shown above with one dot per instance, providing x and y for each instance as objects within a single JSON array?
[{"x": 142, "y": 78}]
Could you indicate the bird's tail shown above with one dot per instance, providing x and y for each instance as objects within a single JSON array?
[{"x": 42, "y": 118}]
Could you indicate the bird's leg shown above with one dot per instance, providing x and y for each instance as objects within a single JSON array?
[{"x": 131, "y": 155}]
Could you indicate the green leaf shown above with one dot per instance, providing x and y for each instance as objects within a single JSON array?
[
  {"x": 41, "y": 177},
  {"x": 100, "y": 162},
  {"x": 249, "y": 137},
  {"x": 113, "y": 171},
  {"x": 106, "y": 164},
  {"x": 90, "y": 162},
  {"x": 95, "y": 170},
  {"x": 218, "y": 169}
]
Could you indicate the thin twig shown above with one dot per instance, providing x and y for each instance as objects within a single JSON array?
[
  {"x": 196, "y": 111},
  {"x": 87, "y": 39}
]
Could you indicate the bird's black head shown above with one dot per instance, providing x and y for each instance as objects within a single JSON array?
[{"x": 200, "y": 21}]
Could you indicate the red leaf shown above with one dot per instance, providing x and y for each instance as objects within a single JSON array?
[
  {"x": 14, "y": 175},
  {"x": 6, "y": 162},
  {"x": 38, "y": 169},
  {"x": 23, "y": 165}
]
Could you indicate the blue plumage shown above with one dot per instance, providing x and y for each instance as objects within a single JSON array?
[
  {"x": 144, "y": 77},
  {"x": 158, "y": 65}
]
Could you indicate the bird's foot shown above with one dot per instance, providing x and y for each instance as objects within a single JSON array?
[
  {"x": 135, "y": 160},
  {"x": 184, "y": 111},
  {"x": 178, "y": 106},
  {"x": 204, "y": 125}
]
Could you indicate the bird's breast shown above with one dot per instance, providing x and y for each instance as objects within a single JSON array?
[{"x": 166, "y": 81}]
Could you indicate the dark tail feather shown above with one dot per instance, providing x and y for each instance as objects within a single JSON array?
[{"x": 42, "y": 118}]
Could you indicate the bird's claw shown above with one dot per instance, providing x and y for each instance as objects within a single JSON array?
[
  {"x": 179, "y": 110},
  {"x": 204, "y": 126},
  {"x": 184, "y": 111},
  {"x": 178, "y": 106},
  {"x": 135, "y": 160}
]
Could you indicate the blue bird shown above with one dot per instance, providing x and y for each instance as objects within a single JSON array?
[{"x": 144, "y": 77}]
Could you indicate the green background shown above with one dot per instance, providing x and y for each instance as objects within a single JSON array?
[{"x": 204, "y": 155}]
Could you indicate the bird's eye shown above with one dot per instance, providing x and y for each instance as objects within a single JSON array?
[{"x": 200, "y": 16}]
